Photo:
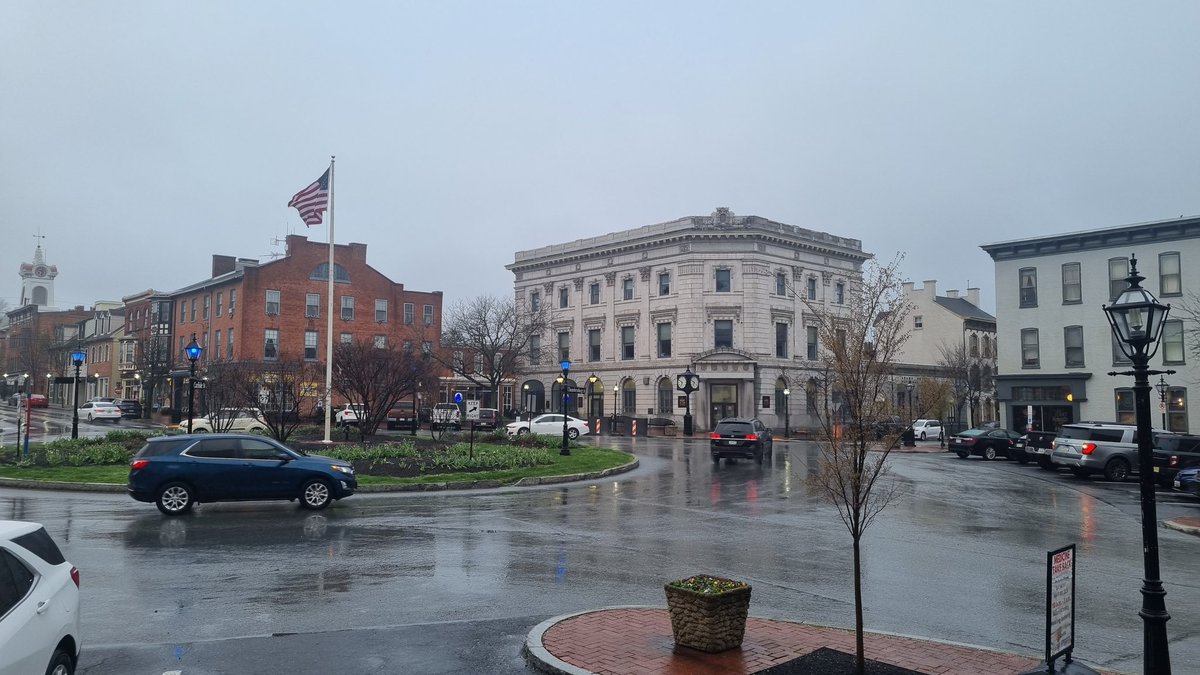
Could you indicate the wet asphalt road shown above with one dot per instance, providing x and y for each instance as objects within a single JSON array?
[{"x": 451, "y": 582}]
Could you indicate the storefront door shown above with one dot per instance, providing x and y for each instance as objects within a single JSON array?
[{"x": 722, "y": 402}]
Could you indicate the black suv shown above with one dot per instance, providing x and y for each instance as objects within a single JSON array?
[
  {"x": 1034, "y": 446},
  {"x": 1173, "y": 453},
  {"x": 744, "y": 437}
]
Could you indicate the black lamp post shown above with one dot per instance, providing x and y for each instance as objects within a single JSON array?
[
  {"x": 416, "y": 420},
  {"x": 910, "y": 435},
  {"x": 566, "y": 367},
  {"x": 687, "y": 382},
  {"x": 1137, "y": 319},
  {"x": 787, "y": 412},
  {"x": 909, "y": 387},
  {"x": 616, "y": 390},
  {"x": 193, "y": 352},
  {"x": 1163, "y": 388},
  {"x": 77, "y": 358}
]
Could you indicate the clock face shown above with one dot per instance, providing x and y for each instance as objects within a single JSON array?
[
  {"x": 40, "y": 270},
  {"x": 680, "y": 382}
]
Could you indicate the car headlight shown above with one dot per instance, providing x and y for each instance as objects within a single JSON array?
[{"x": 342, "y": 468}]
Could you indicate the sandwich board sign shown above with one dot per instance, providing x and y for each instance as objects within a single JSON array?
[
  {"x": 473, "y": 410},
  {"x": 1060, "y": 603}
]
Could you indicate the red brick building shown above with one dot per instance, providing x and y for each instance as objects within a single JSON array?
[{"x": 251, "y": 311}]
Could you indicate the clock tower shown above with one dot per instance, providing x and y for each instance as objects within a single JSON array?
[{"x": 37, "y": 282}]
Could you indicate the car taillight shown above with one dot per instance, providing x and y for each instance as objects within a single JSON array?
[
  {"x": 139, "y": 464},
  {"x": 752, "y": 437},
  {"x": 75, "y": 576},
  {"x": 714, "y": 436},
  {"x": 1173, "y": 461},
  {"x": 1087, "y": 448}
]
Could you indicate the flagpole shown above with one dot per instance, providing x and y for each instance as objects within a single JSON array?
[{"x": 329, "y": 314}]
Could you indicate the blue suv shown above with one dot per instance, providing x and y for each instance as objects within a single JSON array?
[{"x": 177, "y": 472}]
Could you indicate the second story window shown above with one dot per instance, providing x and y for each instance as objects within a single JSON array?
[
  {"x": 220, "y": 298},
  {"x": 781, "y": 340},
  {"x": 811, "y": 342},
  {"x": 380, "y": 310},
  {"x": 193, "y": 309},
  {"x": 428, "y": 315},
  {"x": 1118, "y": 271},
  {"x": 664, "y": 283},
  {"x": 310, "y": 345},
  {"x": 1073, "y": 346},
  {"x": 207, "y": 301},
  {"x": 918, "y": 321},
  {"x": 594, "y": 293},
  {"x": 839, "y": 293},
  {"x": 564, "y": 298},
  {"x": 627, "y": 288},
  {"x": 564, "y": 346},
  {"x": 347, "y": 308},
  {"x": 232, "y": 300},
  {"x": 1072, "y": 284},
  {"x": 780, "y": 283},
  {"x": 664, "y": 339},
  {"x": 723, "y": 334},
  {"x": 811, "y": 288},
  {"x": 594, "y": 344},
  {"x": 408, "y": 313},
  {"x": 627, "y": 335},
  {"x": 722, "y": 280},
  {"x": 1168, "y": 274},
  {"x": 272, "y": 303},
  {"x": 270, "y": 344},
  {"x": 1028, "y": 283},
  {"x": 312, "y": 305},
  {"x": 1172, "y": 342},
  {"x": 1030, "y": 356},
  {"x": 535, "y": 301}
]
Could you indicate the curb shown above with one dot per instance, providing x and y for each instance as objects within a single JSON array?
[
  {"x": 410, "y": 487},
  {"x": 1175, "y": 524},
  {"x": 539, "y": 658}
]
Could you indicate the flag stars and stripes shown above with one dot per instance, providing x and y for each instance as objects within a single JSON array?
[{"x": 313, "y": 200}]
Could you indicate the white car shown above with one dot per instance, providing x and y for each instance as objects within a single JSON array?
[
  {"x": 39, "y": 603},
  {"x": 548, "y": 425},
  {"x": 923, "y": 429},
  {"x": 248, "y": 421},
  {"x": 100, "y": 410},
  {"x": 348, "y": 415}
]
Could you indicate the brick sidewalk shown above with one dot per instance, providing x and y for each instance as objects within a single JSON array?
[{"x": 637, "y": 640}]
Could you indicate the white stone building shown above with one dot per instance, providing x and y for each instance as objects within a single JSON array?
[
  {"x": 722, "y": 294},
  {"x": 1056, "y": 347}
]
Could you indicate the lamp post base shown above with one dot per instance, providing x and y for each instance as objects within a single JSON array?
[{"x": 687, "y": 424}]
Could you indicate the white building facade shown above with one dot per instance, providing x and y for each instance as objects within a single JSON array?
[
  {"x": 1055, "y": 344},
  {"x": 722, "y": 294}
]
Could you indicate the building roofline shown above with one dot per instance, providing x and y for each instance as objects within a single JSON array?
[{"x": 1183, "y": 227}]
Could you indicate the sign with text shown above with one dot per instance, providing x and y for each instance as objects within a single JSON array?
[
  {"x": 473, "y": 410},
  {"x": 1060, "y": 602}
]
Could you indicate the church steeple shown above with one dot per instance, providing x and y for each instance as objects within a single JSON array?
[{"x": 37, "y": 281}]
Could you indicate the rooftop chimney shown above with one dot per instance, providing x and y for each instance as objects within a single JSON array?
[
  {"x": 907, "y": 286},
  {"x": 930, "y": 287},
  {"x": 952, "y": 293},
  {"x": 973, "y": 296},
  {"x": 222, "y": 264}
]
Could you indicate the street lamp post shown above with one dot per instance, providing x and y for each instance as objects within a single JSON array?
[
  {"x": 566, "y": 367},
  {"x": 787, "y": 394},
  {"x": 591, "y": 390},
  {"x": 77, "y": 358},
  {"x": 1137, "y": 319},
  {"x": 687, "y": 382},
  {"x": 1163, "y": 388},
  {"x": 416, "y": 421},
  {"x": 193, "y": 352},
  {"x": 911, "y": 440}
]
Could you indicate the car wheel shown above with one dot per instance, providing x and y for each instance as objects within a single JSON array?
[
  {"x": 572, "y": 433},
  {"x": 1117, "y": 469},
  {"x": 989, "y": 453},
  {"x": 174, "y": 499},
  {"x": 962, "y": 454},
  {"x": 922, "y": 435},
  {"x": 315, "y": 494},
  {"x": 717, "y": 460},
  {"x": 89, "y": 417},
  {"x": 522, "y": 431},
  {"x": 201, "y": 430},
  {"x": 60, "y": 664}
]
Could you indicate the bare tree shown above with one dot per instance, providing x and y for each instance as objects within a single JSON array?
[
  {"x": 275, "y": 388},
  {"x": 373, "y": 378},
  {"x": 224, "y": 396},
  {"x": 860, "y": 345},
  {"x": 154, "y": 360},
  {"x": 492, "y": 332}
]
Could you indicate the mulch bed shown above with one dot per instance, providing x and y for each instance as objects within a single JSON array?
[{"x": 826, "y": 661}]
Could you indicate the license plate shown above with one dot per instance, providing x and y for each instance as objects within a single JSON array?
[
  {"x": 1156, "y": 469},
  {"x": 1177, "y": 484},
  {"x": 730, "y": 442}
]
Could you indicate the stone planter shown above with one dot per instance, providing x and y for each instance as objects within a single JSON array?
[{"x": 709, "y": 622}]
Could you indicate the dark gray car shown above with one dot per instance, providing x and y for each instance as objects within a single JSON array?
[{"x": 745, "y": 437}]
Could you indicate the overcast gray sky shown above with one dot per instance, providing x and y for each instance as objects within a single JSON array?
[{"x": 142, "y": 137}]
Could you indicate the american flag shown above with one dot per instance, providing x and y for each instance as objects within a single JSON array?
[{"x": 312, "y": 201}]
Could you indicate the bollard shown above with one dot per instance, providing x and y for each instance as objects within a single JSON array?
[
  {"x": 634, "y": 431},
  {"x": 597, "y": 431}
]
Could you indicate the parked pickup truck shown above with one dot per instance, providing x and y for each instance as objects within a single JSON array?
[
  {"x": 400, "y": 416},
  {"x": 1172, "y": 454},
  {"x": 1035, "y": 446}
]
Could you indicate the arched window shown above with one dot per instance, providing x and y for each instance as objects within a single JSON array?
[
  {"x": 629, "y": 397},
  {"x": 321, "y": 273},
  {"x": 812, "y": 396},
  {"x": 973, "y": 341},
  {"x": 986, "y": 381},
  {"x": 665, "y": 394},
  {"x": 987, "y": 347}
]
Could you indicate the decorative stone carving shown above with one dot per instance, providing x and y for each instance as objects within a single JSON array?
[
  {"x": 549, "y": 287},
  {"x": 684, "y": 248},
  {"x": 578, "y": 281},
  {"x": 645, "y": 273},
  {"x": 826, "y": 277},
  {"x": 610, "y": 278},
  {"x": 797, "y": 272}
]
